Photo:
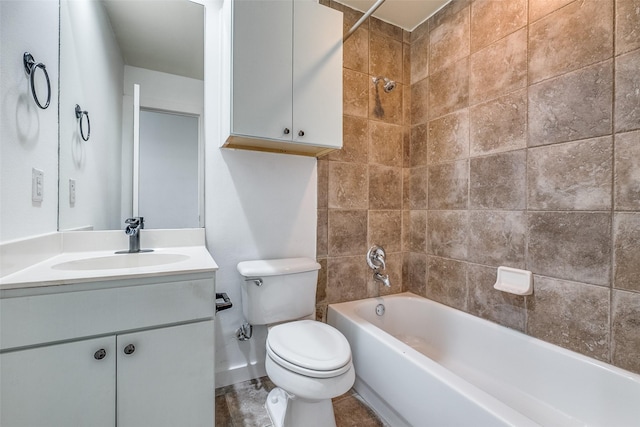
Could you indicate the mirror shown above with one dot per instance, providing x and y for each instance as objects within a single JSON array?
[{"x": 107, "y": 47}]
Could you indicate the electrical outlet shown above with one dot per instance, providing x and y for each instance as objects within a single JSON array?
[
  {"x": 37, "y": 185},
  {"x": 72, "y": 191}
]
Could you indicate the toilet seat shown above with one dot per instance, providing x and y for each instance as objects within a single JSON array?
[{"x": 310, "y": 348}]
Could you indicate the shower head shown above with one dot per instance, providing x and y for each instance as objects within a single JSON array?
[{"x": 389, "y": 85}]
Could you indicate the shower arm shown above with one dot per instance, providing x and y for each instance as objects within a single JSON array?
[{"x": 364, "y": 17}]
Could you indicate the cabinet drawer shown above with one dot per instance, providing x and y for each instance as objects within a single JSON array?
[{"x": 32, "y": 320}]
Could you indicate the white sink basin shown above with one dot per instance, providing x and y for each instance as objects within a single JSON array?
[{"x": 118, "y": 261}]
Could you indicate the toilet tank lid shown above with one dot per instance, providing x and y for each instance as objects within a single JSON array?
[{"x": 276, "y": 267}]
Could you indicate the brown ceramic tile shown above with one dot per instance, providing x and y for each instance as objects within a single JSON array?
[
  {"x": 406, "y": 64},
  {"x": 347, "y": 232},
  {"x": 627, "y": 26},
  {"x": 406, "y": 146},
  {"x": 385, "y": 57},
  {"x": 447, "y": 234},
  {"x": 498, "y": 181},
  {"x": 418, "y": 186},
  {"x": 350, "y": 16},
  {"x": 418, "y": 231},
  {"x": 447, "y": 13},
  {"x": 418, "y": 147},
  {"x": 356, "y": 93},
  {"x": 419, "y": 102},
  {"x": 491, "y": 20},
  {"x": 323, "y": 227},
  {"x": 499, "y": 125},
  {"x": 574, "y": 106},
  {"x": 627, "y": 98},
  {"x": 499, "y": 68},
  {"x": 323, "y": 184},
  {"x": 571, "y": 176},
  {"x": 351, "y": 411},
  {"x": 394, "y": 271},
  {"x": 223, "y": 417},
  {"x": 347, "y": 278},
  {"x": 406, "y": 36},
  {"x": 626, "y": 266},
  {"x": 385, "y": 229},
  {"x": 447, "y": 282},
  {"x": 321, "y": 290},
  {"x": 385, "y": 144},
  {"x": 246, "y": 402},
  {"x": 355, "y": 51},
  {"x": 540, "y": 8},
  {"x": 386, "y": 106},
  {"x": 355, "y": 141},
  {"x": 486, "y": 302},
  {"x": 406, "y": 105},
  {"x": 449, "y": 137},
  {"x": 416, "y": 281},
  {"x": 385, "y": 187},
  {"x": 406, "y": 230},
  {"x": 625, "y": 318},
  {"x": 570, "y": 245},
  {"x": 389, "y": 30},
  {"x": 406, "y": 187},
  {"x": 449, "y": 41},
  {"x": 627, "y": 171},
  {"x": 348, "y": 186},
  {"x": 420, "y": 59},
  {"x": 552, "y": 40},
  {"x": 449, "y": 185},
  {"x": 449, "y": 89},
  {"x": 497, "y": 238},
  {"x": 420, "y": 31},
  {"x": 572, "y": 315}
]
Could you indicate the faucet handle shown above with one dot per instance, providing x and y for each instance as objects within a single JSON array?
[
  {"x": 135, "y": 222},
  {"x": 376, "y": 258}
]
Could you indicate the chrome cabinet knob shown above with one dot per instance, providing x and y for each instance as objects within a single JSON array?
[
  {"x": 129, "y": 349},
  {"x": 100, "y": 354},
  {"x": 286, "y": 131},
  {"x": 301, "y": 133}
]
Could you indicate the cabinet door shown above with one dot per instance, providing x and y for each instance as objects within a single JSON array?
[
  {"x": 317, "y": 75},
  {"x": 262, "y": 74},
  {"x": 59, "y": 385},
  {"x": 166, "y": 379}
]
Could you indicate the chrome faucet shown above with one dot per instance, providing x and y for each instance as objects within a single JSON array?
[
  {"x": 376, "y": 260},
  {"x": 134, "y": 225}
]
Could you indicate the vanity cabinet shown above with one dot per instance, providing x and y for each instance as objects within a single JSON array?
[
  {"x": 136, "y": 355},
  {"x": 286, "y": 77}
]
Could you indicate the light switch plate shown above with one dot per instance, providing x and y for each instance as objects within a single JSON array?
[{"x": 37, "y": 185}]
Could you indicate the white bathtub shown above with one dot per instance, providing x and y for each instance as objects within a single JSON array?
[{"x": 426, "y": 364}]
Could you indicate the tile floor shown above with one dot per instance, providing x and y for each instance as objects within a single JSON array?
[{"x": 242, "y": 405}]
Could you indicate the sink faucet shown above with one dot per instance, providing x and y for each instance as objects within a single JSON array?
[{"x": 134, "y": 225}]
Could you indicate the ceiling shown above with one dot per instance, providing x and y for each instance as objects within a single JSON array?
[
  {"x": 160, "y": 35},
  {"x": 406, "y": 14}
]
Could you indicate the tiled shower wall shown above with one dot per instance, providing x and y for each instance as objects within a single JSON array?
[
  {"x": 360, "y": 188},
  {"x": 525, "y": 152},
  {"x": 518, "y": 144}
]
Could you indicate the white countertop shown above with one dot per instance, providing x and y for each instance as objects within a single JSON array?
[{"x": 193, "y": 257}]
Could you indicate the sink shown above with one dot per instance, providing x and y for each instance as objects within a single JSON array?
[{"x": 111, "y": 262}]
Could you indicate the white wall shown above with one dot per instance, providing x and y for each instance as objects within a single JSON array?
[
  {"x": 91, "y": 75},
  {"x": 258, "y": 205},
  {"x": 28, "y": 135}
]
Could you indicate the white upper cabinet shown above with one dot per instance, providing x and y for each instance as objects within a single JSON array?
[{"x": 286, "y": 77}]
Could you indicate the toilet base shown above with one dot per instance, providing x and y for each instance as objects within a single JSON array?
[{"x": 286, "y": 410}]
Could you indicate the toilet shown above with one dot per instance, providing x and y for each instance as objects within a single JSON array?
[{"x": 308, "y": 361}]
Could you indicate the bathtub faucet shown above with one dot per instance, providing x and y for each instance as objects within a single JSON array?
[
  {"x": 384, "y": 278},
  {"x": 376, "y": 261}
]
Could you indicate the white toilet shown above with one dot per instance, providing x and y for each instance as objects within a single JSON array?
[{"x": 308, "y": 361}]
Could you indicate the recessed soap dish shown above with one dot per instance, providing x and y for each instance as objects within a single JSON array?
[{"x": 514, "y": 281}]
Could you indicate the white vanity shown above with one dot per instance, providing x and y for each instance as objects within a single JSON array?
[{"x": 90, "y": 338}]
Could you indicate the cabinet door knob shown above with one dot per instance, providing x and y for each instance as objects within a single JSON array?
[
  {"x": 301, "y": 133},
  {"x": 286, "y": 131},
  {"x": 100, "y": 354},
  {"x": 129, "y": 349}
]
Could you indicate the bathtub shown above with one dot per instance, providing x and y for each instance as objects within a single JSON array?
[{"x": 422, "y": 363}]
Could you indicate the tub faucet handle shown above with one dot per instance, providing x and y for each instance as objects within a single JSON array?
[{"x": 376, "y": 258}]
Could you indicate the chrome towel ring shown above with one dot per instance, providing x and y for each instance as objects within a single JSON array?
[
  {"x": 79, "y": 115},
  {"x": 30, "y": 67}
]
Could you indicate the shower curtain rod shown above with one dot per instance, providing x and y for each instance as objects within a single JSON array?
[{"x": 369, "y": 12}]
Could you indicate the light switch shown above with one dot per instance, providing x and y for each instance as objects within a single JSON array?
[{"x": 37, "y": 185}]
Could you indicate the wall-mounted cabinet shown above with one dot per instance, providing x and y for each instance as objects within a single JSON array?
[{"x": 285, "y": 60}]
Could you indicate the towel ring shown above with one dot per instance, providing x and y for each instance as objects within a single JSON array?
[
  {"x": 30, "y": 66},
  {"x": 79, "y": 115}
]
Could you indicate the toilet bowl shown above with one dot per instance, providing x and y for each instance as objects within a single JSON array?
[{"x": 308, "y": 361}]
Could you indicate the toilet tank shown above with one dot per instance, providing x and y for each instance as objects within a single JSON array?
[{"x": 287, "y": 292}]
